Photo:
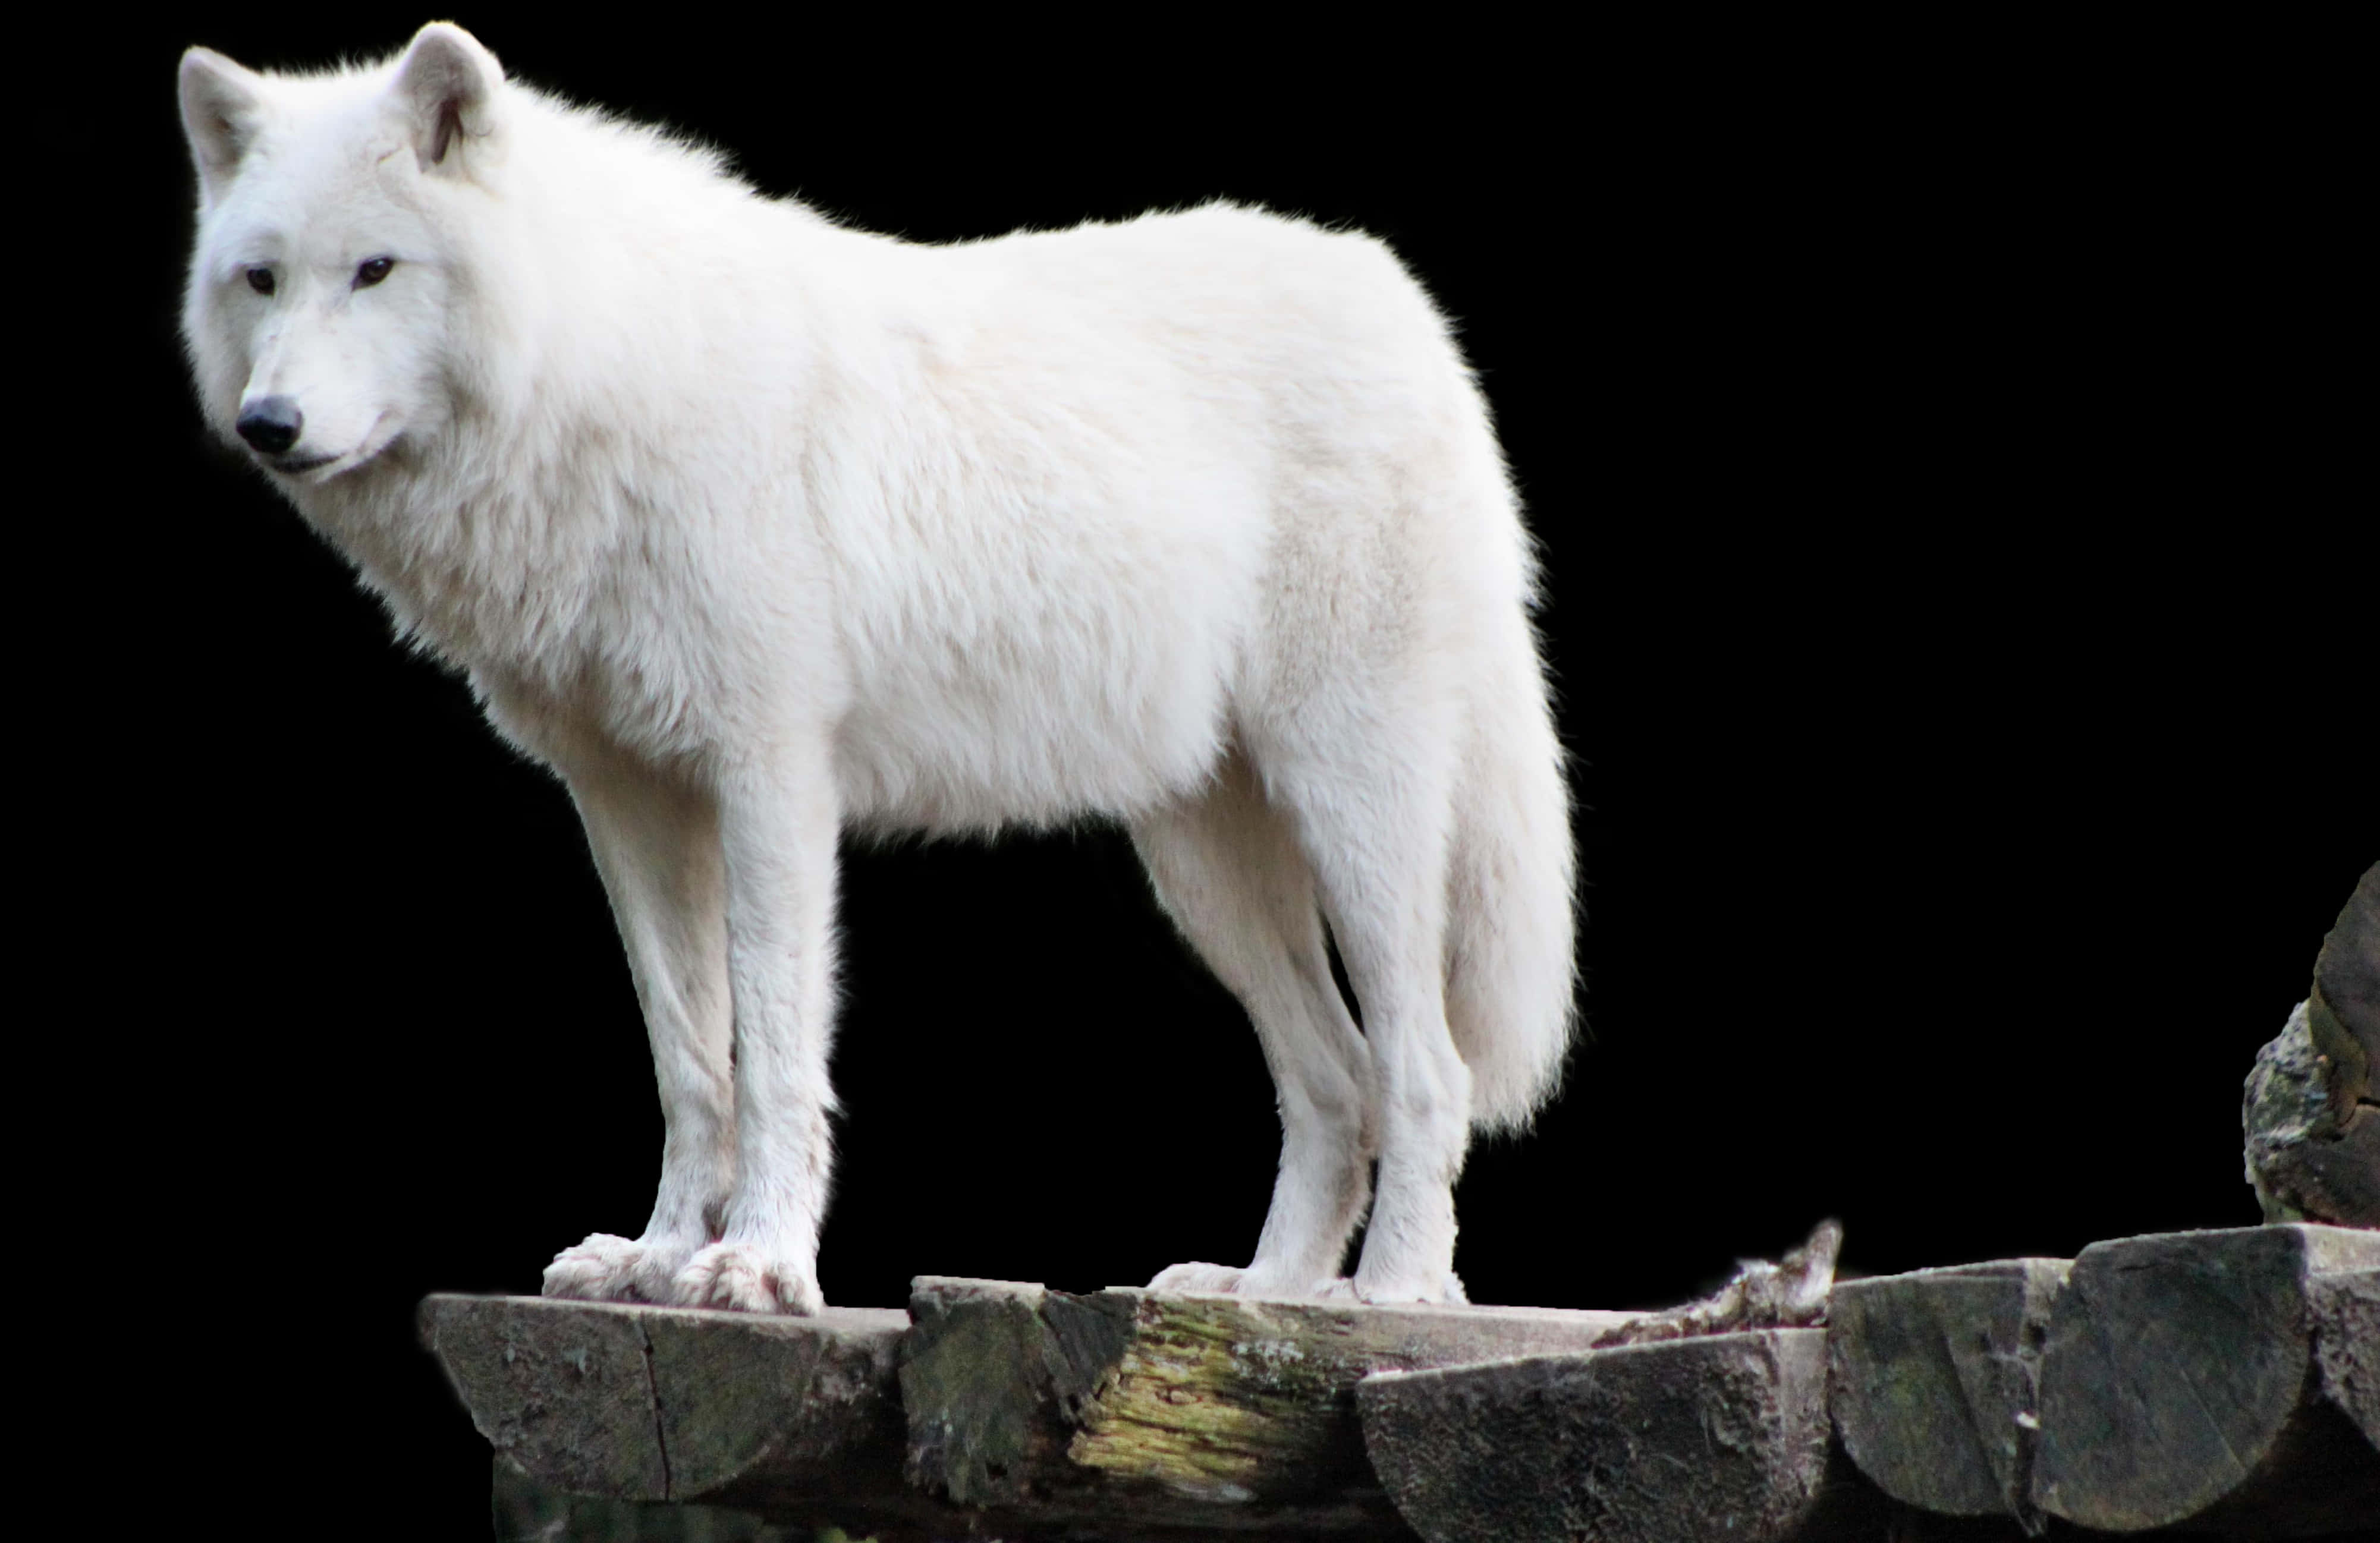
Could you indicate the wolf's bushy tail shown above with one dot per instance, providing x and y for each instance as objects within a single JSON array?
[{"x": 1511, "y": 972}]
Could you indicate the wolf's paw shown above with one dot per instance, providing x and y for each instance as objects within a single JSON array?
[
  {"x": 1198, "y": 1277},
  {"x": 743, "y": 1277},
  {"x": 608, "y": 1269},
  {"x": 1445, "y": 1290},
  {"x": 1256, "y": 1280}
]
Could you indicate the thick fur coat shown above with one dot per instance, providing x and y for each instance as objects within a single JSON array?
[{"x": 755, "y": 528}]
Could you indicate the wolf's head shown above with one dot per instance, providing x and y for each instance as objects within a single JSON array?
[{"x": 333, "y": 260}]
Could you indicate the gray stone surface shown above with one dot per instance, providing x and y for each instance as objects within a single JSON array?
[
  {"x": 670, "y": 1404},
  {"x": 561, "y": 1391},
  {"x": 1933, "y": 1381},
  {"x": 2179, "y": 1386},
  {"x": 2221, "y": 1383},
  {"x": 1721, "y": 1437}
]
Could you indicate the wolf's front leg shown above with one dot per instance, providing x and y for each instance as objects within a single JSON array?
[
  {"x": 777, "y": 825},
  {"x": 656, "y": 843}
]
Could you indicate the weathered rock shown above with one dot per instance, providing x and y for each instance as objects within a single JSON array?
[
  {"x": 2346, "y": 996},
  {"x": 2306, "y": 1160},
  {"x": 1933, "y": 1383},
  {"x": 669, "y": 1404},
  {"x": 1172, "y": 1411},
  {"x": 2312, "y": 1111},
  {"x": 1721, "y": 1437},
  {"x": 2345, "y": 1308},
  {"x": 2178, "y": 1385}
]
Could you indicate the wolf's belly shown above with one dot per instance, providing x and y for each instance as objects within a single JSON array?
[
  {"x": 1056, "y": 633},
  {"x": 976, "y": 745}
]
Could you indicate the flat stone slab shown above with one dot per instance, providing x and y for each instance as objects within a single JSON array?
[
  {"x": 1723, "y": 1437},
  {"x": 1933, "y": 1381},
  {"x": 675, "y": 1404},
  {"x": 2182, "y": 1384}
]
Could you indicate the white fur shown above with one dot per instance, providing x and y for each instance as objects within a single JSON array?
[{"x": 755, "y": 527}]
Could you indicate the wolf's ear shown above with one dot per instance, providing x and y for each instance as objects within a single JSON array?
[
  {"x": 220, "y": 106},
  {"x": 446, "y": 89}
]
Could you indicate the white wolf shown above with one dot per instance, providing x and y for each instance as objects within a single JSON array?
[{"x": 754, "y": 527}]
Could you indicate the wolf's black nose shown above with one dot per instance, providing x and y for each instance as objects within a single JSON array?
[{"x": 271, "y": 424}]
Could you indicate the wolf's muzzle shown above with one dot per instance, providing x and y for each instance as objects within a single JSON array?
[{"x": 271, "y": 424}]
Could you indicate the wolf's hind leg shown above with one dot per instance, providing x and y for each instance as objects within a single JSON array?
[
  {"x": 1375, "y": 825},
  {"x": 656, "y": 844},
  {"x": 1226, "y": 868}
]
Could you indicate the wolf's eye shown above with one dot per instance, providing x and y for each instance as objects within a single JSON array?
[
  {"x": 373, "y": 271},
  {"x": 261, "y": 279}
]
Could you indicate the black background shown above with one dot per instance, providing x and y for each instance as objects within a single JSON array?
[{"x": 1935, "y": 451}]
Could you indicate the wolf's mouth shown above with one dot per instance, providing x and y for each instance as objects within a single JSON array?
[{"x": 377, "y": 437}]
